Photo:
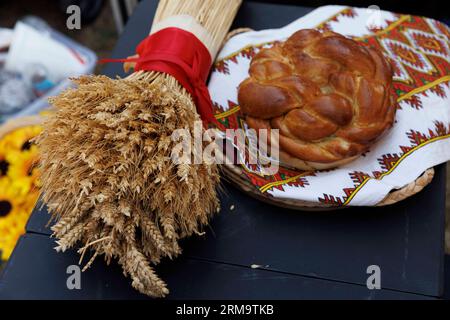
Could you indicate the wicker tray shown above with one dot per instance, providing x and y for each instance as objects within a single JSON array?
[{"x": 235, "y": 174}]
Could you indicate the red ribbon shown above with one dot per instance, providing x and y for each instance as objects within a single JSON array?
[{"x": 182, "y": 55}]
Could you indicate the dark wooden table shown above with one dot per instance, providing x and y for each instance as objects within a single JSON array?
[{"x": 301, "y": 254}]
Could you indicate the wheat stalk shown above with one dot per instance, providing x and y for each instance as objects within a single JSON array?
[{"x": 107, "y": 176}]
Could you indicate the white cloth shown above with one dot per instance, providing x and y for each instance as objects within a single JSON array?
[{"x": 420, "y": 136}]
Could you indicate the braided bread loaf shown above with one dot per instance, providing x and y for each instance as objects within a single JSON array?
[{"x": 329, "y": 96}]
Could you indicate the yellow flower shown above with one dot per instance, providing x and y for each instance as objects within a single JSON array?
[
  {"x": 4, "y": 164},
  {"x": 19, "y": 139},
  {"x": 22, "y": 169},
  {"x": 30, "y": 201},
  {"x": 13, "y": 218},
  {"x": 18, "y": 185}
]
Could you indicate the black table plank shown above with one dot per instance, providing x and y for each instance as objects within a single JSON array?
[
  {"x": 446, "y": 294},
  {"x": 39, "y": 221},
  {"x": 36, "y": 271},
  {"x": 405, "y": 240}
]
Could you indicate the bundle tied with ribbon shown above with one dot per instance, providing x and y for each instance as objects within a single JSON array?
[{"x": 107, "y": 174}]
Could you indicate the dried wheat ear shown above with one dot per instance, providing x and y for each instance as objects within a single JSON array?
[{"x": 107, "y": 177}]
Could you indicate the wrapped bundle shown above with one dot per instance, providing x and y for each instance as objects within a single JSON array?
[{"x": 107, "y": 175}]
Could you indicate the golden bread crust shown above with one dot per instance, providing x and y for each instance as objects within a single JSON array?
[{"x": 329, "y": 96}]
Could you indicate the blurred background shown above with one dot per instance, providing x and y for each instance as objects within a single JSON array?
[
  {"x": 103, "y": 20},
  {"x": 26, "y": 27}
]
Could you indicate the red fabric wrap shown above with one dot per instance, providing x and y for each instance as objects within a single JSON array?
[{"x": 182, "y": 55}]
